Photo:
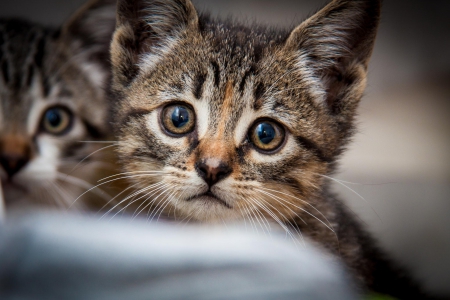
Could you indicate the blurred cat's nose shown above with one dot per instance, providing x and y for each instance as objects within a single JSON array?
[
  {"x": 12, "y": 164},
  {"x": 212, "y": 170},
  {"x": 14, "y": 154}
]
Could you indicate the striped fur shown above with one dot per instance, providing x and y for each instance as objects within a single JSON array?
[
  {"x": 309, "y": 80},
  {"x": 41, "y": 68}
]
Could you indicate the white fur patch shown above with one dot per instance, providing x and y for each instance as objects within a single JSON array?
[
  {"x": 44, "y": 166},
  {"x": 310, "y": 79},
  {"x": 149, "y": 60}
]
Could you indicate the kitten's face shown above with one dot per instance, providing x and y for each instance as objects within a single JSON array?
[
  {"x": 222, "y": 122},
  {"x": 50, "y": 101}
]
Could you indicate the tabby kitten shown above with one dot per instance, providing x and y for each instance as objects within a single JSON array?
[
  {"x": 51, "y": 98},
  {"x": 217, "y": 121}
]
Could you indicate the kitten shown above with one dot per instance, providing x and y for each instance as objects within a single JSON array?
[
  {"x": 217, "y": 121},
  {"x": 52, "y": 97}
]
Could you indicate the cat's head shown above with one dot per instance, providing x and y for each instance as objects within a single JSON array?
[
  {"x": 218, "y": 120},
  {"x": 52, "y": 97}
]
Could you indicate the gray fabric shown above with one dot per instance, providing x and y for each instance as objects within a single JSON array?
[{"x": 75, "y": 257}]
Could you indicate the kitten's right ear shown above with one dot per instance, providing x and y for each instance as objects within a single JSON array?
[{"x": 146, "y": 27}]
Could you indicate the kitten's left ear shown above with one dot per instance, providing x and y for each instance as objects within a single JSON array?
[
  {"x": 87, "y": 35},
  {"x": 333, "y": 48}
]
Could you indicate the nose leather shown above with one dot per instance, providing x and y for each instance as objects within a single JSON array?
[{"x": 212, "y": 170}]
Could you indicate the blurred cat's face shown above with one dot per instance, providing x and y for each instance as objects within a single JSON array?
[{"x": 48, "y": 107}]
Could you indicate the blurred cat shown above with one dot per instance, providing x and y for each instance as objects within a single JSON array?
[{"x": 52, "y": 97}]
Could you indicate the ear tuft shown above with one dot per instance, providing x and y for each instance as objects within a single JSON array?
[
  {"x": 336, "y": 44},
  {"x": 144, "y": 27}
]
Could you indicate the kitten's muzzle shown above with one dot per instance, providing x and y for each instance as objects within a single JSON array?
[{"x": 212, "y": 171}]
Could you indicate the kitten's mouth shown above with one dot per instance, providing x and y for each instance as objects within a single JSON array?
[{"x": 209, "y": 197}]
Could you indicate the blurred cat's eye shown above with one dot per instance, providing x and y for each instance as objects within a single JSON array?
[
  {"x": 178, "y": 119},
  {"x": 57, "y": 120},
  {"x": 267, "y": 135}
]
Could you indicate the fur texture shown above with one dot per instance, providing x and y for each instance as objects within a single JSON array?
[
  {"x": 229, "y": 78},
  {"x": 64, "y": 70}
]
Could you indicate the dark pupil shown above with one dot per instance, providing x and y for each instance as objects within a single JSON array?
[
  {"x": 53, "y": 118},
  {"x": 180, "y": 117},
  {"x": 266, "y": 133}
]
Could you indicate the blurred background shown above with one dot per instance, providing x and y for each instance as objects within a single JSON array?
[{"x": 397, "y": 169}]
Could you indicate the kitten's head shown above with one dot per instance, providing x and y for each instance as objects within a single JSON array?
[
  {"x": 52, "y": 98},
  {"x": 219, "y": 121}
]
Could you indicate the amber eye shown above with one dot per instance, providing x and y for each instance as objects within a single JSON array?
[
  {"x": 178, "y": 119},
  {"x": 57, "y": 120},
  {"x": 266, "y": 135}
]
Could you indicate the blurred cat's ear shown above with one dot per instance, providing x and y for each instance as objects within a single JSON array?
[
  {"x": 145, "y": 30},
  {"x": 332, "y": 50},
  {"x": 87, "y": 36}
]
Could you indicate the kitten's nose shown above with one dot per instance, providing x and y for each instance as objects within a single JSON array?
[
  {"x": 14, "y": 154},
  {"x": 12, "y": 164},
  {"x": 212, "y": 170}
]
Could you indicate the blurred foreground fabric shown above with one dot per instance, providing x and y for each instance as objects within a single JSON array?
[{"x": 81, "y": 257}]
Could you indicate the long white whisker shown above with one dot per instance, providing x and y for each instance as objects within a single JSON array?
[
  {"x": 133, "y": 201},
  {"x": 131, "y": 173},
  {"x": 286, "y": 229},
  {"x": 84, "y": 159},
  {"x": 112, "y": 180},
  {"x": 81, "y": 183},
  {"x": 302, "y": 209},
  {"x": 352, "y": 190},
  {"x": 296, "y": 206},
  {"x": 294, "y": 225}
]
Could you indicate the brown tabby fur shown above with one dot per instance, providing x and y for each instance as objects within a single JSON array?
[{"x": 310, "y": 80}]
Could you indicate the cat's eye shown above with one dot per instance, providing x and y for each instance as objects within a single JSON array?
[
  {"x": 178, "y": 119},
  {"x": 267, "y": 135},
  {"x": 57, "y": 120}
]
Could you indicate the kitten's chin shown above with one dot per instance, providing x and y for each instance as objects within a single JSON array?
[
  {"x": 209, "y": 199},
  {"x": 206, "y": 208}
]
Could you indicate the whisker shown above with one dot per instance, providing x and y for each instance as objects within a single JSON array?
[
  {"x": 103, "y": 183},
  {"x": 301, "y": 200},
  {"x": 352, "y": 190},
  {"x": 93, "y": 153},
  {"x": 131, "y": 173},
  {"x": 302, "y": 209},
  {"x": 101, "y": 142},
  {"x": 81, "y": 183},
  {"x": 294, "y": 225},
  {"x": 130, "y": 196},
  {"x": 286, "y": 229},
  {"x": 266, "y": 224},
  {"x": 115, "y": 197}
]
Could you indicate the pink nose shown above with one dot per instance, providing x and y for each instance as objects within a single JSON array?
[{"x": 212, "y": 172}]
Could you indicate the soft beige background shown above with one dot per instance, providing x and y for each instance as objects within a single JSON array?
[{"x": 399, "y": 161}]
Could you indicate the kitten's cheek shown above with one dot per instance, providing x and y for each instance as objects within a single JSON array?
[{"x": 288, "y": 150}]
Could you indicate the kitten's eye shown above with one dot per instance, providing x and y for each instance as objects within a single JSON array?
[
  {"x": 266, "y": 135},
  {"x": 57, "y": 120},
  {"x": 178, "y": 119}
]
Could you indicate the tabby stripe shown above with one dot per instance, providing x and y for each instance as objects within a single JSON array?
[
  {"x": 311, "y": 146},
  {"x": 135, "y": 113},
  {"x": 258, "y": 93},
  {"x": 198, "y": 85},
  {"x": 216, "y": 70},
  {"x": 40, "y": 51},
  {"x": 249, "y": 72},
  {"x": 93, "y": 131}
]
